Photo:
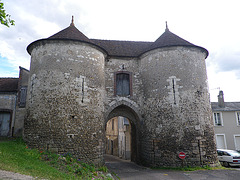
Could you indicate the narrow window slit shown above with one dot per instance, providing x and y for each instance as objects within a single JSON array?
[
  {"x": 174, "y": 95},
  {"x": 82, "y": 89}
]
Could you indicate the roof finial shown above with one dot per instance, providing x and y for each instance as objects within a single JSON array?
[
  {"x": 166, "y": 27},
  {"x": 72, "y": 23}
]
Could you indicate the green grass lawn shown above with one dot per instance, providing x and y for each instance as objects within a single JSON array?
[{"x": 15, "y": 156}]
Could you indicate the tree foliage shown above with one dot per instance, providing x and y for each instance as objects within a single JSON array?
[{"x": 5, "y": 18}]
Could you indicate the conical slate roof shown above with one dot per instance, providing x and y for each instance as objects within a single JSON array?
[
  {"x": 169, "y": 39},
  {"x": 71, "y": 33}
]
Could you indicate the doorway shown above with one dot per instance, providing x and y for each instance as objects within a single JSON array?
[
  {"x": 118, "y": 137},
  {"x": 5, "y": 118},
  {"x": 121, "y": 133}
]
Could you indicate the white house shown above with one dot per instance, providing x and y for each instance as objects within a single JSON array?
[{"x": 226, "y": 117}]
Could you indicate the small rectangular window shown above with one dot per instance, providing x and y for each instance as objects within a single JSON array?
[
  {"x": 112, "y": 124},
  {"x": 123, "y": 84},
  {"x": 237, "y": 141},
  {"x": 217, "y": 119},
  {"x": 221, "y": 141},
  {"x": 125, "y": 121}
]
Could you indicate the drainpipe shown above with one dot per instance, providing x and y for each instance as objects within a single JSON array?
[{"x": 14, "y": 116}]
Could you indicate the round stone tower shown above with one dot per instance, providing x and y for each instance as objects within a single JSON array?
[
  {"x": 177, "y": 107},
  {"x": 65, "y": 95}
]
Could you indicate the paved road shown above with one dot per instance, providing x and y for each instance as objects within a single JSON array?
[{"x": 127, "y": 170}]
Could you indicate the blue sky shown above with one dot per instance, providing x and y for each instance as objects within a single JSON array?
[
  {"x": 212, "y": 24},
  {"x": 7, "y": 69}
]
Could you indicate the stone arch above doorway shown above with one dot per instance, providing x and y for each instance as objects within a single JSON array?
[{"x": 123, "y": 106}]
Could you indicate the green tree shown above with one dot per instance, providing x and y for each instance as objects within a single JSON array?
[{"x": 5, "y": 18}]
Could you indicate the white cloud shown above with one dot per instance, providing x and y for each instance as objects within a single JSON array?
[
  {"x": 210, "y": 24},
  {"x": 226, "y": 81}
]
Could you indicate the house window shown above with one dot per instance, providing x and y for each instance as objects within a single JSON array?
[
  {"x": 123, "y": 84},
  {"x": 221, "y": 141},
  {"x": 112, "y": 124},
  {"x": 23, "y": 96},
  {"x": 238, "y": 118},
  {"x": 125, "y": 121},
  {"x": 237, "y": 141},
  {"x": 217, "y": 119}
]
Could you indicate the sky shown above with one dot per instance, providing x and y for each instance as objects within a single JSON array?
[{"x": 212, "y": 24}]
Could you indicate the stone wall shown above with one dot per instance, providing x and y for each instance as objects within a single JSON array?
[
  {"x": 111, "y": 134},
  {"x": 8, "y": 101},
  {"x": 130, "y": 106}
]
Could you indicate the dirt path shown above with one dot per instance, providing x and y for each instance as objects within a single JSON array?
[{"x": 16, "y": 176}]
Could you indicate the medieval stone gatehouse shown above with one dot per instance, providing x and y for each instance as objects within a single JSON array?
[{"x": 77, "y": 84}]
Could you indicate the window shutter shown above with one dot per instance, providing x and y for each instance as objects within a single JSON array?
[
  {"x": 122, "y": 84},
  {"x": 23, "y": 96},
  {"x": 119, "y": 84},
  {"x": 125, "y": 85}
]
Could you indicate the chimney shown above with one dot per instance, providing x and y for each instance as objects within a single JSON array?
[{"x": 221, "y": 99}]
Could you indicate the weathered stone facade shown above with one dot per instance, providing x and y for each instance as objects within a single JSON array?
[
  {"x": 8, "y": 97},
  {"x": 21, "y": 101},
  {"x": 112, "y": 137},
  {"x": 12, "y": 103},
  {"x": 72, "y": 95}
]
